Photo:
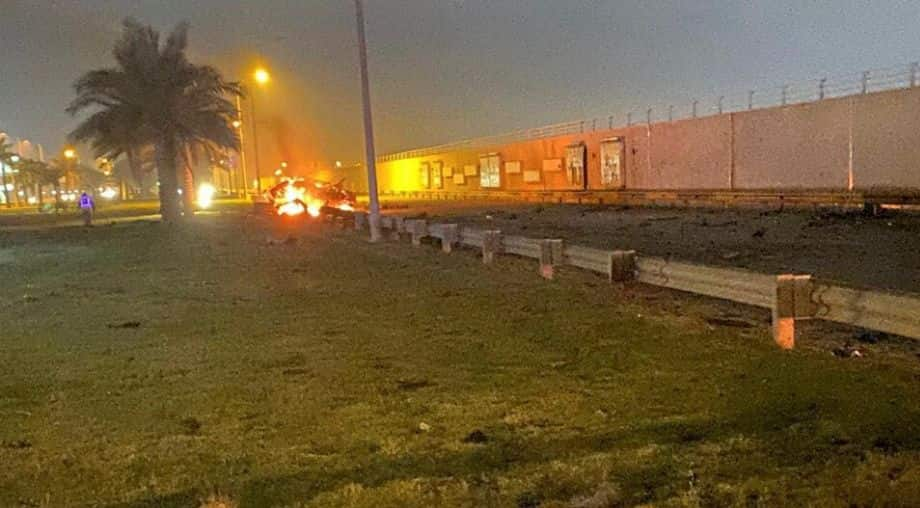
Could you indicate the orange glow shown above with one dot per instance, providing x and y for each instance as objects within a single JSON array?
[
  {"x": 261, "y": 76},
  {"x": 296, "y": 201},
  {"x": 346, "y": 207}
]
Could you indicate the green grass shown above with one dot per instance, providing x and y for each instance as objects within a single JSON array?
[
  {"x": 25, "y": 217},
  {"x": 301, "y": 374}
]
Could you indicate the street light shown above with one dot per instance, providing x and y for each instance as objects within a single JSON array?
[
  {"x": 70, "y": 153},
  {"x": 261, "y": 77},
  {"x": 370, "y": 155}
]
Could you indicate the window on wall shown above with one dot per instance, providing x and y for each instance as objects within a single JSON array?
[
  {"x": 437, "y": 181},
  {"x": 490, "y": 171},
  {"x": 424, "y": 179}
]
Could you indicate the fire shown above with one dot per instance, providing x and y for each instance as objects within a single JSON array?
[{"x": 295, "y": 200}]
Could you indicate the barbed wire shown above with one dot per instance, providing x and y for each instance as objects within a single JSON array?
[{"x": 787, "y": 94}]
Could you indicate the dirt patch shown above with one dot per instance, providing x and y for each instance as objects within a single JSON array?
[{"x": 876, "y": 252}]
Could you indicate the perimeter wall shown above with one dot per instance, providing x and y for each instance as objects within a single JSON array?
[{"x": 867, "y": 143}]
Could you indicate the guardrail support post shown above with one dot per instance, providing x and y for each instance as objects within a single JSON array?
[
  {"x": 450, "y": 236},
  {"x": 399, "y": 227},
  {"x": 622, "y": 265},
  {"x": 792, "y": 301},
  {"x": 360, "y": 220},
  {"x": 550, "y": 256},
  {"x": 419, "y": 230},
  {"x": 491, "y": 245}
]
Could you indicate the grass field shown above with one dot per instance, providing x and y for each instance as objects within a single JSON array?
[{"x": 142, "y": 366}]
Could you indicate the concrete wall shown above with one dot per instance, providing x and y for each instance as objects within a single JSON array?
[{"x": 798, "y": 147}]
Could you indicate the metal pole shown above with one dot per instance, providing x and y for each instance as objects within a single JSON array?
[
  {"x": 239, "y": 118},
  {"x": 370, "y": 155},
  {"x": 751, "y": 100},
  {"x": 821, "y": 85},
  {"x": 721, "y": 101},
  {"x": 255, "y": 139}
]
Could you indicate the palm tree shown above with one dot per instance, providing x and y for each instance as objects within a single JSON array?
[
  {"x": 43, "y": 173},
  {"x": 155, "y": 97},
  {"x": 6, "y": 159}
]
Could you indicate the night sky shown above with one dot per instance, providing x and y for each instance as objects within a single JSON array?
[{"x": 443, "y": 70}]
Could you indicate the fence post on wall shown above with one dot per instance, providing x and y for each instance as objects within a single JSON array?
[
  {"x": 821, "y": 84},
  {"x": 792, "y": 300},
  {"x": 695, "y": 104},
  {"x": 450, "y": 235},
  {"x": 914, "y": 67},
  {"x": 785, "y": 94},
  {"x": 865, "y": 82},
  {"x": 721, "y": 103},
  {"x": 491, "y": 245},
  {"x": 750, "y": 100},
  {"x": 550, "y": 256}
]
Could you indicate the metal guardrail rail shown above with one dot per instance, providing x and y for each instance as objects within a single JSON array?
[
  {"x": 786, "y": 94},
  {"x": 790, "y": 297}
]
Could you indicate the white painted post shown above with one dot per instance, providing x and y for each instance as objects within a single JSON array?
[
  {"x": 550, "y": 256},
  {"x": 360, "y": 220},
  {"x": 450, "y": 236},
  {"x": 419, "y": 230},
  {"x": 792, "y": 301},
  {"x": 491, "y": 245},
  {"x": 399, "y": 227}
]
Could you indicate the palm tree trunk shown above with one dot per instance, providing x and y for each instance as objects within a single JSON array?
[
  {"x": 169, "y": 181},
  {"x": 188, "y": 193},
  {"x": 6, "y": 192},
  {"x": 58, "y": 205}
]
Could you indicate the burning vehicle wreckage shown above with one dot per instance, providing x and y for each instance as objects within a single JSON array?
[{"x": 296, "y": 197}]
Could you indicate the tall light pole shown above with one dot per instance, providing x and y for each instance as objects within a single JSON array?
[
  {"x": 238, "y": 123},
  {"x": 261, "y": 77},
  {"x": 369, "y": 153}
]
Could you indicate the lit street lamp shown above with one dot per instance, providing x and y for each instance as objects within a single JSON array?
[{"x": 261, "y": 77}]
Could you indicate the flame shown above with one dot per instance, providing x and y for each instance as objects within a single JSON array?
[{"x": 296, "y": 201}]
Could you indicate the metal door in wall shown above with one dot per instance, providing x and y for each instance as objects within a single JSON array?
[
  {"x": 612, "y": 163},
  {"x": 575, "y": 168}
]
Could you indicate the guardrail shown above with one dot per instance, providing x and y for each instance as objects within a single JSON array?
[{"x": 790, "y": 297}]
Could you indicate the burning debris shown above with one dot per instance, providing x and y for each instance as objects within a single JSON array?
[{"x": 294, "y": 197}]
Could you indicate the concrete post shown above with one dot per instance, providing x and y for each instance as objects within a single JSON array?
[
  {"x": 450, "y": 236},
  {"x": 622, "y": 265},
  {"x": 360, "y": 220},
  {"x": 865, "y": 82},
  {"x": 491, "y": 245},
  {"x": 550, "y": 256},
  {"x": 419, "y": 230},
  {"x": 792, "y": 301},
  {"x": 399, "y": 227}
]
